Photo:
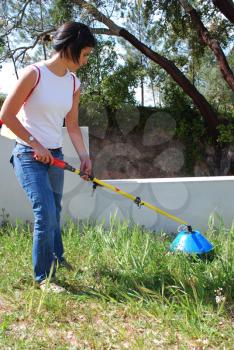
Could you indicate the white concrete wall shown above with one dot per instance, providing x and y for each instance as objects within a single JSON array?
[
  {"x": 191, "y": 199},
  {"x": 12, "y": 197}
]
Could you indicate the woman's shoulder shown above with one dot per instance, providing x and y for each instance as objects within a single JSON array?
[
  {"x": 32, "y": 69},
  {"x": 32, "y": 72},
  {"x": 28, "y": 73}
]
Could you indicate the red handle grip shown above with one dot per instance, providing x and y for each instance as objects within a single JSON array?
[
  {"x": 59, "y": 163},
  {"x": 56, "y": 162},
  {"x": 1, "y": 123}
]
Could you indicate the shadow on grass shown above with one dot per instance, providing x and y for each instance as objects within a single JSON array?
[
  {"x": 118, "y": 286},
  {"x": 123, "y": 285}
]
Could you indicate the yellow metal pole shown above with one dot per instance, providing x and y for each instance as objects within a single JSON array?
[{"x": 132, "y": 197}]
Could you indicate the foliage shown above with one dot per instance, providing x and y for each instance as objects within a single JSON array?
[
  {"x": 172, "y": 29},
  {"x": 61, "y": 11},
  {"x": 216, "y": 91},
  {"x": 178, "y": 40},
  {"x": 105, "y": 81},
  {"x": 118, "y": 88},
  {"x": 227, "y": 133},
  {"x": 190, "y": 128},
  {"x": 211, "y": 84},
  {"x": 174, "y": 22}
]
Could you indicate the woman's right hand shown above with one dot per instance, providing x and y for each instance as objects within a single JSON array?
[
  {"x": 42, "y": 154},
  {"x": 85, "y": 166}
]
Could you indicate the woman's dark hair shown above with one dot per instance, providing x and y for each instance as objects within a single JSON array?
[{"x": 71, "y": 38}]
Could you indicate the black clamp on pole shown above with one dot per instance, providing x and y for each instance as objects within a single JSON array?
[
  {"x": 189, "y": 228},
  {"x": 95, "y": 185},
  {"x": 90, "y": 178},
  {"x": 137, "y": 200}
]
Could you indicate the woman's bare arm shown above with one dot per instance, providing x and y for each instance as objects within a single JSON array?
[{"x": 11, "y": 107}]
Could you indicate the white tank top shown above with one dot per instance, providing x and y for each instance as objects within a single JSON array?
[{"x": 44, "y": 111}]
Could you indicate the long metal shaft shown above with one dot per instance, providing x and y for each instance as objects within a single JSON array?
[{"x": 137, "y": 200}]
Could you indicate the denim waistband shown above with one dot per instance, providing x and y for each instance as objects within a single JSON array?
[{"x": 29, "y": 147}]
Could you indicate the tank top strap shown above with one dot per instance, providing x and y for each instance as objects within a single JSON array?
[{"x": 74, "y": 82}]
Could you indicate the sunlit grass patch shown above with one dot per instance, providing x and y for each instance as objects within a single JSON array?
[{"x": 127, "y": 291}]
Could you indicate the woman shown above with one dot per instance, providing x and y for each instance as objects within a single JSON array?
[{"x": 35, "y": 110}]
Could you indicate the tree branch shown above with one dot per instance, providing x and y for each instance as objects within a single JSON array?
[
  {"x": 23, "y": 49},
  {"x": 213, "y": 44},
  {"x": 19, "y": 18},
  {"x": 22, "y": 12},
  {"x": 98, "y": 16},
  {"x": 226, "y": 7},
  {"x": 12, "y": 58},
  {"x": 103, "y": 31}
]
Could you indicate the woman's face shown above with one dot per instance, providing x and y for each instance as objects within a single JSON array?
[
  {"x": 84, "y": 56},
  {"x": 83, "y": 60}
]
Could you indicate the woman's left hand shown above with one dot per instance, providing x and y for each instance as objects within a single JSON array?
[{"x": 85, "y": 166}]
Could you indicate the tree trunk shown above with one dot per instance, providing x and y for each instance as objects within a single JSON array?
[
  {"x": 153, "y": 93},
  {"x": 12, "y": 58},
  {"x": 213, "y": 44},
  {"x": 226, "y": 7},
  {"x": 142, "y": 92}
]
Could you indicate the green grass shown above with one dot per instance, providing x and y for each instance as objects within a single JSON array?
[{"x": 127, "y": 292}]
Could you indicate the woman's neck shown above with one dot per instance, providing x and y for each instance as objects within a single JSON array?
[{"x": 57, "y": 65}]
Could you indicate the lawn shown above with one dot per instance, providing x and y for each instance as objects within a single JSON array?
[{"x": 127, "y": 292}]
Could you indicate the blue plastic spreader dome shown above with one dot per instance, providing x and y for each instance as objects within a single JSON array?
[{"x": 191, "y": 242}]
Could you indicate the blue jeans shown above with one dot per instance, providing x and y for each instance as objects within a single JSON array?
[{"x": 43, "y": 185}]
